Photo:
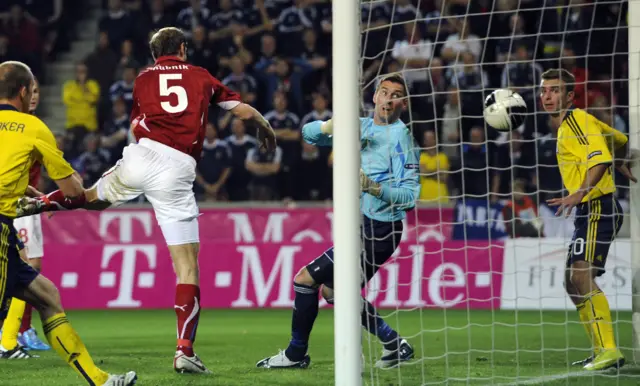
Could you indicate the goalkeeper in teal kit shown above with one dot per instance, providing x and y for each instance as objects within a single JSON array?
[{"x": 390, "y": 186}]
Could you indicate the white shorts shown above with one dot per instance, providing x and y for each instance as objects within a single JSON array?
[
  {"x": 165, "y": 176},
  {"x": 30, "y": 231}
]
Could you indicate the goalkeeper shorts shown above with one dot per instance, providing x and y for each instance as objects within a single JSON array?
[{"x": 379, "y": 240}]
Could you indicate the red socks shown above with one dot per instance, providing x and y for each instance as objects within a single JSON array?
[
  {"x": 26, "y": 319},
  {"x": 56, "y": 201},
  {"x": 187, "y": 307}
]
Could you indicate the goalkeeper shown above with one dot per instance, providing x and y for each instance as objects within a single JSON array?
[{"x": 389, "y": 183}]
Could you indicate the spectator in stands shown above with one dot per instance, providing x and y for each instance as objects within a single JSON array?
[
  {"x": 434, "y": 171},
  {"x": 287, "y": 127},
  {"x": 374, "y": 19},
  {"x": 437, "y": 27},
  {"x": 6, "y": 51},
  {"x": 102, "y": 63},
  {"x": 214, "y": 167},
  {"x": 24, "y": 37},
  {"x": 310, "y": 64},
  {"x": 569, "y": 62},
  {"x": 157, "y": 18},
  {"x": 521, "y": 214},
  {"x": 233, "y": 47},
  {"x": 413, "y": 54},
  {"x": 602, "y": 109},
  {"x": 512, "y": 161},
  {"x": 515, "y": 37},
  {"x": 292, "y": 22},
  {"x": 241, "y": 82},
  {"x": 93, "y": 162},
  {"x": 320, "y": 110},
  {"x": 200, "y": 52},
  {"x": 547, "y": 180},
  {"x": 117, "y": 23},
  {"x": 450, "y": 123},
  {"x": 264, "y": 166},
  {"x": 192, "y": 16},
  {"x": 127, "y": 59},
  {"x": 222, "y": 21},
  {"x": 81, "y": 95},
  {"x": 115, "y": 135},
  {"x": 462, "y": 41},
  {"x": 311, "y": 175},
  {"x": 240, "y": 143},
  {"x": 522, "y": 75},
  {"x": 473, "y": 181},
  {"x": 123, "y": 89}
]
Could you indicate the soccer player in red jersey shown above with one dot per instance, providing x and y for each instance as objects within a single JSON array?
[{"x": 170, "y": 108}]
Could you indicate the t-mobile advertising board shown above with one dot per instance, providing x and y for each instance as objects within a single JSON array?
[{"x": 248, "y": 258}]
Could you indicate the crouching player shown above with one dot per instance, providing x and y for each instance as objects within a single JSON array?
[
  {"x": 389, "y": 183},
  {"x": 17, "y": 329},
  {"x": 585, "y": 162}
]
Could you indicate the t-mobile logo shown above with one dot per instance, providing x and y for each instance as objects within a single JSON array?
[{"x": 129, "y": 254}]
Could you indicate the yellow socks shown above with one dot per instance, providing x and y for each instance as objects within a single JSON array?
[
  {"x": 64, "y": 339},
  {"x": 12, "y": 323},
  {"x": 585, "y": 318},
  {"x": 599, "y": 315}
]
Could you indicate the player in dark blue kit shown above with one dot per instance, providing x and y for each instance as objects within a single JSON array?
[{"x": 390, "y": 186}]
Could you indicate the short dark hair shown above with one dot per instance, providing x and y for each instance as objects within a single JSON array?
[
  {"x": 397, "y": 79},
  {"x": 13, "y": 77},
  {"x": 565, "y": 76},
  {"x": 167, "y": 41}
]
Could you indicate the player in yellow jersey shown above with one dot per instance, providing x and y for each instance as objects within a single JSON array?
[
  {"x": 584, "y": 151},
  {"x": 26, "y": 139}
]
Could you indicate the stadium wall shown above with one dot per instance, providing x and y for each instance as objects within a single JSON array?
[{"x": 118, "y": 259}]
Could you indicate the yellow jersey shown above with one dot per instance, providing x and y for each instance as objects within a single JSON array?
[
  {"x": 24, "y": 139},
  {"x": 432, "y": 190},
  {"x": 584, "y": 142}
]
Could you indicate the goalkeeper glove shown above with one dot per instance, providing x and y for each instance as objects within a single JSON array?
[
  {"x": 369, "y": 186},
  {"x": 327, "y": 127}
]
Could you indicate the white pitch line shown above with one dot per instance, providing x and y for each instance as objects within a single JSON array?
[{"x": 550, "y": 378}]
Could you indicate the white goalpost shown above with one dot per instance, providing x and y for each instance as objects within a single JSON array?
[
  {"x": 478, "y": 306},
  {"x": 346, "y": 191}
]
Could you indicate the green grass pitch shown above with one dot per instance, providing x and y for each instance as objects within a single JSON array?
[{"x": 230, "y": 342}]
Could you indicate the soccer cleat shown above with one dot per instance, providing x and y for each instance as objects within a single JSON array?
[
  {"x": 31, "y": 341},
  {"x": 280, "y": 361},
  {"x": 128, "y": 379},
  {"x": 185, "y": 364},
  {"x": 16, "y": 353},
  {"x": 606, "y": 359},
  {"x": 583, "y": 362},
  {"x": 392, "y": 358}
]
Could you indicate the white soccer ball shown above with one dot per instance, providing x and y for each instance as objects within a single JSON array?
[{"x": 505, "y": 110}]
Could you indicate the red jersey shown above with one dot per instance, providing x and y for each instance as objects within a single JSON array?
[
  {"x": 34, "y": 174},
  {"x": 171, "y": 104}
]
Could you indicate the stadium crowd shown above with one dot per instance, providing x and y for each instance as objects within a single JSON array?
[{"x": 277, "y": 55}]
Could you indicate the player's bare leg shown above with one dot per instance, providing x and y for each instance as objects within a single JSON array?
[
  {"x": 594, "y": 310},
  {"x": 44, "y": 296},
  {"x": 187, "y": 306}
]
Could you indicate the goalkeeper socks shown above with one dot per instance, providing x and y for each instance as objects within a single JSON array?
[
  {"x": 12, "y": 323},
  {"x": 64, "y": 339},
  {"x": 585, "y": 318},
  {"x": 187, "y": 307},
  {"x": 600, "y": 317},
  {"x": 305, "y": 311},
  {"x": 372, "y": 321},
  {"x": 26, "y": 319},
  {"x": 56, "y": 201}
]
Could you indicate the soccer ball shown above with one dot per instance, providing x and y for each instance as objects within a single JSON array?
[{"x": 504, "y": 110}]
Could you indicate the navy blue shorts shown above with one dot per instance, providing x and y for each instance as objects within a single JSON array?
[
  {"x": 597, "y": 223},
  {"x": 15, "y": 274},
  {"x": 380, "y": 239}
]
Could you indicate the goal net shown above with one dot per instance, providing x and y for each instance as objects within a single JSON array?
[{"x": 477, "y": 282}]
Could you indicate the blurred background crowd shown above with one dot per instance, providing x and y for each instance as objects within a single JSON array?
[{"x": 277, "y": 55}]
